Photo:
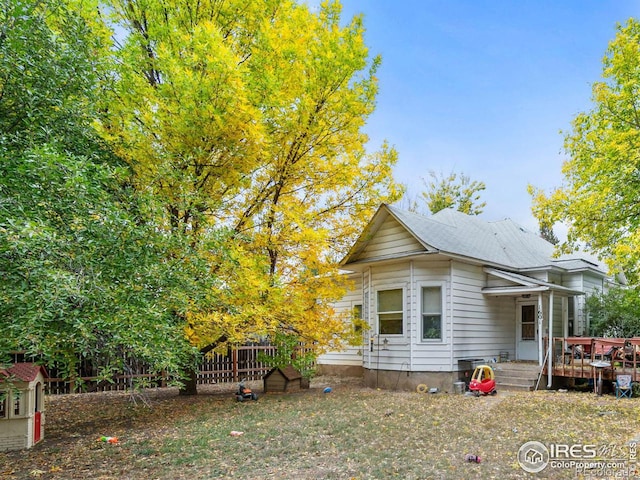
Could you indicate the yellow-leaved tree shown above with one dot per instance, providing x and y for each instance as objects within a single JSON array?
[{"x": 246, "y": 120}]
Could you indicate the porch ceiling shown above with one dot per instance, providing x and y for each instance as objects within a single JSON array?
[{"x": 524, "y": 285}]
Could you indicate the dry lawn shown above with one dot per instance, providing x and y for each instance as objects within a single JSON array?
[{"x": 351, "y": 433}]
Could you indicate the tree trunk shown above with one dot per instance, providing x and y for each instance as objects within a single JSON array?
[{"x": 190, "y": 386}]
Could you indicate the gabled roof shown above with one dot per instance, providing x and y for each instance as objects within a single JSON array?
[
  {"x": 25, "y": 372},
  {"x": 502, "y": 244},
  {"x": 288, "y": 372}
]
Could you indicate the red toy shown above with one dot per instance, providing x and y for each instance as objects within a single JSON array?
[{"x": 483, "y": 381}]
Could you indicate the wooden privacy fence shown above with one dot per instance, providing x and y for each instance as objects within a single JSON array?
[{"x": 240, "y": 363}]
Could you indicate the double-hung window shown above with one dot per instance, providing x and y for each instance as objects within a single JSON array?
[
  {"x": 390, "y": 312},
  {"x": 432, "y": 313}
]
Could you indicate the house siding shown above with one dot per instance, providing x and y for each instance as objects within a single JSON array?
[
  {"x": 575, "y": 281},
  {"x": 589, "y": 284},
  {"x": 395, "y": 355},
  {"x": 483, "y": 326},
  {"x": 351, "y": 355},
  {"x": 558, "y": 300},
  {"x": 429, "y": 355},
  {"x": 390, "y": 239},
  {"x": 474, "y": 325}
]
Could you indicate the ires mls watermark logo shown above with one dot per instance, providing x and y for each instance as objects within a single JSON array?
[
  {"x": 588, "y": 459},
  {"x": 533, "y": 457}
]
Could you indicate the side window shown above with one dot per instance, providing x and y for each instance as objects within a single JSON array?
[
  {"x": 357, "y": 318},
  {"x": 390, "y": 312},
  {"x": 18, "y": 404},
  {"x": 432, "y": 313},
  {"x": 3, "y": 404}
]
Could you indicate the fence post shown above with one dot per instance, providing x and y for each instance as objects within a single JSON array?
[{"x": 234, "y": 365}]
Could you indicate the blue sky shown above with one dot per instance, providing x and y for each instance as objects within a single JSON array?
[{"x": 485, "y": 87}]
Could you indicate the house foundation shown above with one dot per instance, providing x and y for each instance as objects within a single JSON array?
[
  {"x": 409, "y": 381},
  {"x": 340, "y": 370}
]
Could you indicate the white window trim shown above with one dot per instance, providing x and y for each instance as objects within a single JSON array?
[
  {"x": 443, "y": 313},
  {"x": 384, "y": 288},
  {"x": 19, "y": 397}
]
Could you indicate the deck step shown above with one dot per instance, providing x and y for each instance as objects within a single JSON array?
[{"x": 516, "y": 375}]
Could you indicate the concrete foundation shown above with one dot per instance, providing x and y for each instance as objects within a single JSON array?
[
  {"x": 409, "y": 381},
  {"x": 340, "y": 370},
  {"x": 393, "y": 379}
]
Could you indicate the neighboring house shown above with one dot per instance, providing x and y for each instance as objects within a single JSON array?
[{"x": 437, "y": 290}]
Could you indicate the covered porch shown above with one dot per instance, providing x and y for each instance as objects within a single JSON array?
[{"x": 542, "y": 308}]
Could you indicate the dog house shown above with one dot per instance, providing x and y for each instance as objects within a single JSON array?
[
  {"x": 21, "y": 406},
  {"x": 286, "y": 379}
]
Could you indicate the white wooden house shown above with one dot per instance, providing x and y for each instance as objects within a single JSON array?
[
  {"x": 451, "y": 287},
  {"x": 21, "y": 406}
]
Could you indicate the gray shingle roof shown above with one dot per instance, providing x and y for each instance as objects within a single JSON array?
[{"x": 503, "y": 242}]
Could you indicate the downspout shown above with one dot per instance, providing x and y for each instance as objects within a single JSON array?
[
  {"x": 366, "y": 355},
  {"x": 374, "y": 321},
  {"x": 412, "y": 316},
  {"x": 539, "y": 327},
  {"x": 550, "y": 351},
  {"x": 370, "y": 319},
  {"x": 450, "y": 315}
]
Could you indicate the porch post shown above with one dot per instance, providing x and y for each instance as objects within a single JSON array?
[
  {"x": 565, "y": 317},
  {"x": 550, "y": 351},
  {"x": 540, "y": 344}
]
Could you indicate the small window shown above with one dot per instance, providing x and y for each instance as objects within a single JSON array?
[
  {"x": 390, "y": 312},
  {"x": 17, "y": 404},
  {"x": 432, "y": 313},
  {"x": 3, "y": 405},
  {"x": 528, "y": 322},
  {"x": 357, "y": 318}
]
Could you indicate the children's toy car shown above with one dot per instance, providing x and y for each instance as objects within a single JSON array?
[{"x": 483, "y": 381}]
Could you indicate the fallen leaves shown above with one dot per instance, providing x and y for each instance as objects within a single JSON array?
[{"x": 355, "y": 433}]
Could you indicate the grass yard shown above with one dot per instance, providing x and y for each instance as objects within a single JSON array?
[{"x": 351, "y": 433}]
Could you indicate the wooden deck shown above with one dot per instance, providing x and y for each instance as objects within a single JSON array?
[{"x": 573, "y": 357}]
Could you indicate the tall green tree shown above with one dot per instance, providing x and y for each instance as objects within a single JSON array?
[
  {"x": 248, "y": 116},
  {"x": 455, "y": 190},
  {"x": 546, "y": 232},
  {"x": 615, "y": 313},
  {"x": 84, "y": 272},
  {"x": 599, "y": 199}
]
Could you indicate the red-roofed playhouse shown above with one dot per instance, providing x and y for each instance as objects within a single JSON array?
[{"x": 21, "y": 406}]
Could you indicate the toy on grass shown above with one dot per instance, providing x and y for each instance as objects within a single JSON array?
[
  {"x": 112, "y": 440},
  {"x": 244, "y": 393},
  {"x": 472, "y": 458},
  {"x": 483, "y": 381}
]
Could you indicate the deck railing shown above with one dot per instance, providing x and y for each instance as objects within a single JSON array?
[{"x": 573, "y": 356}]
